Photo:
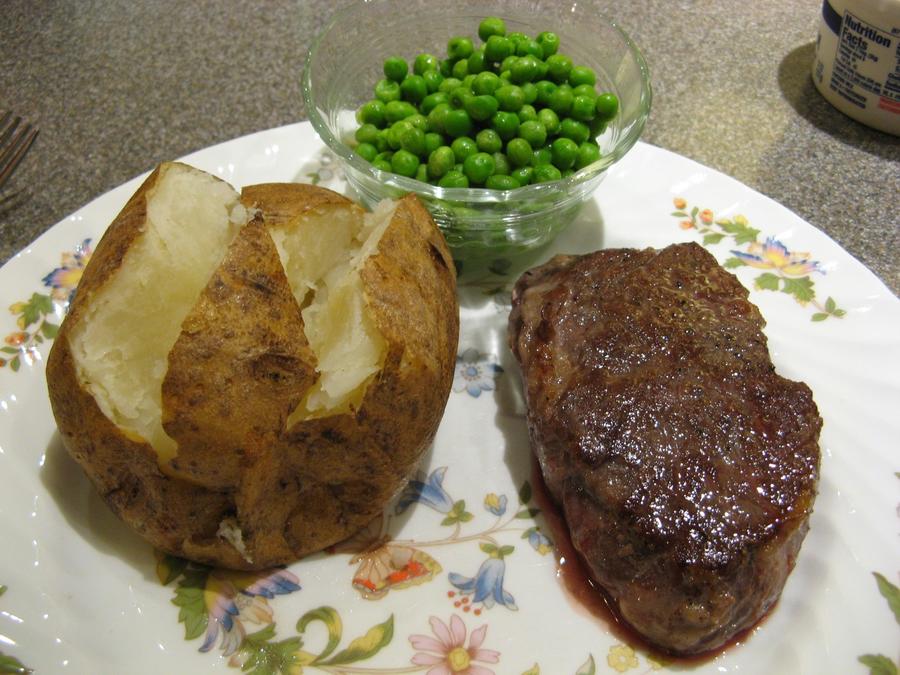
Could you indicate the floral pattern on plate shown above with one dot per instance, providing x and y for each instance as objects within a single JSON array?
[
  {"x": 35, "y": 316},
  {"x": 787, "y": 271}
]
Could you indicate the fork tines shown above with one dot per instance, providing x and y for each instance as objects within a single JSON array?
[{"x": 15, "y": 139}]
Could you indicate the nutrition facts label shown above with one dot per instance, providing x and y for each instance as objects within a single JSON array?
[{"x": 866, "y": 59}]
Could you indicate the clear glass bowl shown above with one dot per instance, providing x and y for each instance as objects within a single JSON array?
[{"x": 487, "y": 230}]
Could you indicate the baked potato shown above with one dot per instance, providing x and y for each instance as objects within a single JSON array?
[{"x": 249, "y": 378}]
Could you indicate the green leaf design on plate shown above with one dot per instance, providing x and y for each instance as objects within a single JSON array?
[
  {"x": 534, "y": 670},
  {"x": 878, "y": 664},
  {"x": 367, "y": 646},
  {"x": 189, "y": 597},
  {"x": 49, "y": 330},
  {"x": 732, "y": 263},
  {"x": 169, "y": 568},
  {"x": 713, "y": 238},
  {"x": 332, "y": 620},
  {"x": 801, "y": 289},
  {"x": 458, "y": 514},
  {"x": 528, "y": 513},
  {"x": 891, "y": 593},
  {"x": 819, "y": 316},
  {"x": 264, "y": 656},
  {"x": 588, "y": 667},
  {"x": 525, "y": 493},
  {"x": 768, "y": 282},
  {"x": 8, "y": 664}
]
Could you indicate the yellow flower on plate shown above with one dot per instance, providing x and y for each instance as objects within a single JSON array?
[
  {"x": 679, "y": 203},
  {"x": 622, "y": 658}
]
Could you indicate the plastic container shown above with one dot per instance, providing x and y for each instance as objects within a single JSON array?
[{"x": 857, "y": 64}]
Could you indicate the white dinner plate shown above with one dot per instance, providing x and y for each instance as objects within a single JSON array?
[{"x": 469, "y": 576}]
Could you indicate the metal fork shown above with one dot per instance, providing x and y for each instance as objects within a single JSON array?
[{"x": 15, "y": 139}]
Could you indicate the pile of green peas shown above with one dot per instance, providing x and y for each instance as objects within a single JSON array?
[{"x": 509, "y": 113}]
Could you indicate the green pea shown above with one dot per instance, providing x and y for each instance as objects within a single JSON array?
[
  {"x": 574, "y": 130},
  {"x": 457, "y": 123},
  {"x": 459, "y": 48},
  {"x": 398, "y": 110},
  {"x": 585, "y": 90},
  {"x": 510, "y": 97},
  {"x": 432, "y": 142},
  {"x": 381, "y": 164},
  {"x": 476, "y": 62},
  {"x": 542, "y": 156},
  {"x": 492, "y": 25},
  {"x": 565, "y": 152},
  {"x": 607, "y": 105},
  {"x": 418, "y": 120},
  {"x": 508, "y": 62},
  {"x": 523, "y": 69},
  {"x": 501, "y": 182},
  {"x": 463, "y": 147},
  {"x": 405, "y": 163},
  {"x": 381, "y": 143},
  {"x": 481, "y": 108},
  {"x": 542, "y": 70},
  {"x": 533, "y": 132},
  {"x": 449, "y": 84},
  {"x": 413, "y": 88},
  {"x": 468, "y": 80},
  {"x": 588, "y": 153},
  {"x": 516, "y": 37},
  {"x": 422, "y": 173},
  {"x": 385, "y": 155},
  {"x": 459, "y": 96},
  {"x": 440, "y": 161},
  {"x": 437, "y": 116},
  {"x": 530, "y": 48},
  {"x": 549, "y": 43},
  {"x": 395, "y": 132},
  {"x": 395, "y": 68},
  {"x": 504, "y": 77},
  {"x": 583, "y": 108},
  {"x": 485, "y": 83},
  {"x": 478, "y": 167},
  {"x": 387, "y": 90},
  {"x": 497, "y": 48},
  {"x": 425, "y": 62},
  {"x": 413, "y": 140},
  {"x": 446, "y": 67},
  {"x": 501, "y": 164},
  {"x": 527, "y": 113},
  {"x": 549, "y": 119},
  {"x": 545, "y": 89},
  {"x": 371, "y": 112},
  {"x": 582, "y": 75},
  {"x": 454, "y": 179},
  {"x": 506, "y": 124},
  {"x": 519, "y": 152},
  {"x": 433, "y": 79},
  {"x": 428, "y": 103},
  {"x": 367, "y": 151},
  {"x": 523, "y": 175},
  {"x": 529, "y": 91},
  {"x": 488, "y": 140},
  {"x": 367, "y": 133},
  {"x": 561, "y": 100},
  {"x": 460, "y": 69},
  {"x": 546, "y": 173},
  {"x": 558, "y": 67},
  {"x": 597, "y": 126}
]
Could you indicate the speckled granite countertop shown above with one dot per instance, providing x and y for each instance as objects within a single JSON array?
[{"x": 117, "y": 86}]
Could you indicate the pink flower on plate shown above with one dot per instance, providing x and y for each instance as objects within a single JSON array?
[{"x": 448, "y": 653}]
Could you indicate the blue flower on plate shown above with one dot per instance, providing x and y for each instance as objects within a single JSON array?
[
  {"x": 475, "y": 372},
  {"x": 495, "y": 504},
  {"x": 428, "y": 491},
  {"x": 487, "y": 584},
  {"x": 539, "y": 541}
]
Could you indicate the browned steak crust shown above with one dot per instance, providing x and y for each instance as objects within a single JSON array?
[{"x": 685, "y": 466}]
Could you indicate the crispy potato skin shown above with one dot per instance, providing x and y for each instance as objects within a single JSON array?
[{"x": 240, "y": 366}]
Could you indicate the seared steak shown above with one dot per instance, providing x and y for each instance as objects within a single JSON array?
[{"x": 686, "y": 468}]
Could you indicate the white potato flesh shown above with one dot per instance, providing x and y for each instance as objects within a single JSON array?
[
  {"x": 123, "y": 340},
  {"x": 323, "y": 253}
]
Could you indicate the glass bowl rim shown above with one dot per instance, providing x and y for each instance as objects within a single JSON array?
[{"x": 474, "y": 194}]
